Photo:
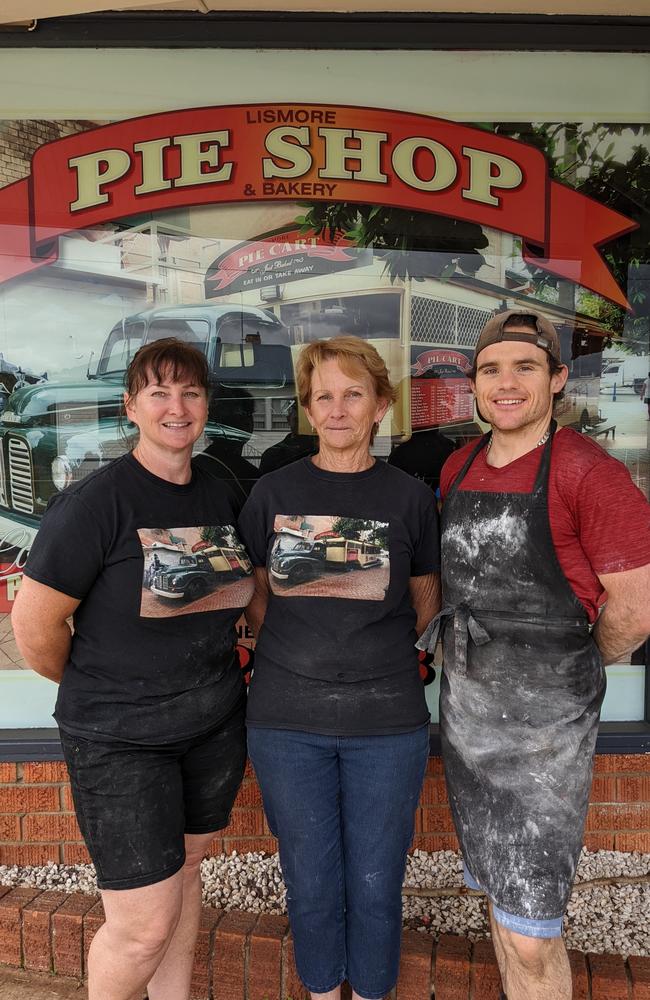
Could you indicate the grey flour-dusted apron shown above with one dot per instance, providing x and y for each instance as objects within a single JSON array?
[{"x": 521, "y": 691}]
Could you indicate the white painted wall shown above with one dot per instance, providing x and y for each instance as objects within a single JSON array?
[{"x": 108, "y": 84}]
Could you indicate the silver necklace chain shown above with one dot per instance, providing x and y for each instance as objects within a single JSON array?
[{"x": 544, "y": 438}]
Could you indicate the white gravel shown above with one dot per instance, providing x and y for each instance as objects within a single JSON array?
[{"x": 611, "y": 918}]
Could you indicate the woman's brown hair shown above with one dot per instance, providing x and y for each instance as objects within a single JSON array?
[{"x": 168, "y": 358}]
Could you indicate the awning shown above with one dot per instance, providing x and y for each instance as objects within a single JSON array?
[{"x": 25, "y": 12}]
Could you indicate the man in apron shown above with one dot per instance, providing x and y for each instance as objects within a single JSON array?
[{"x": 528, "y": 562}]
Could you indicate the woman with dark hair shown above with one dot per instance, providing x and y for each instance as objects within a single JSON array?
[
  {"x": 144, "y": 556},
  {"x": 337, "y": 719}
]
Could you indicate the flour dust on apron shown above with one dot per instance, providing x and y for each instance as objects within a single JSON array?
[{"x": 521, "y": 691}]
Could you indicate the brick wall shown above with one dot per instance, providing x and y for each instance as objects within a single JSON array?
[
  {"x": 246, "y": 956},
  {"x": 20, "y": 139},
  {"x": 37, "y": 822}
]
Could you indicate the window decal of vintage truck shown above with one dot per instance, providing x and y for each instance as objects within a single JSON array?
[{"x": 55, "y": 433}]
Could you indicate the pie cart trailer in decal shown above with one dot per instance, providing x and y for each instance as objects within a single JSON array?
[{"x": 425, "y": 328}]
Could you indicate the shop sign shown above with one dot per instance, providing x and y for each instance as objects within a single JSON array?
[
  {"x": 278, "y": 259},
  {"x": 269, "y": 152}
]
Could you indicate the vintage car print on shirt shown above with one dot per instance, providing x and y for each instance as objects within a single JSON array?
[
  {"x": 323, "y": 555},
  {"x": 187, "y": 570}
]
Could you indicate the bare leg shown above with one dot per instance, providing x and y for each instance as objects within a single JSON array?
[
  {"x": 496, "y": 942},
  {"x": 129, "y": 947},
  {"x": 533, "y": 968},
  {"x": 171, "y": 980}
]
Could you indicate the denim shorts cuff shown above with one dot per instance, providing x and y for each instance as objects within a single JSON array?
[
  {"x": 527, "y": 926},
  {"x": 470, "y": 881},
  {"x": 139, "y": 881}
]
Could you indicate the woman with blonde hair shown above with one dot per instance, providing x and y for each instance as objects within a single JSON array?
[{"x": 337, "y": 719}]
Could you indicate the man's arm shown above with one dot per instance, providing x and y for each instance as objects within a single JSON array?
[
  {"x": 256, "y": 610},
  {"x": 425, "y": 598},
  {"x": 624, "y": 623},
  {"x": 42, "y": 632}
]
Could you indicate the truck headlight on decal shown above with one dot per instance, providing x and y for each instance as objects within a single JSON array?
[{"x": 62, "y": 472}]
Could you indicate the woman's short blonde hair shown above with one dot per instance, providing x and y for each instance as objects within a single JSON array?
[{"x": 353, "y": 355}]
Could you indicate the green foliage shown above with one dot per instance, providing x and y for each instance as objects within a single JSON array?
[
  {"x": 587, "y": 157},
  {"x": 215, "y": 535},
  {"x": 349, "y": 527},
  {"x": 413, "y": 245},
  {"x": 356, "y": 527},
  {"x": 380, "y": 534}
]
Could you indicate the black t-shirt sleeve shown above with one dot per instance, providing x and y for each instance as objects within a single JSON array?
[
  {"x": 252, "y": 526},
  {"x": 426, "y": 552},
  {"x": 68, "y": 551}
]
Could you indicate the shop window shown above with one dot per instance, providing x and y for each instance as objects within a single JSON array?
[{"x": 250, "y": 283}]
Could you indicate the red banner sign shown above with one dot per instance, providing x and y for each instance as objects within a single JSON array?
[
  {"x": 274, "y": 258},
  {"x": 269, "y": 152}
]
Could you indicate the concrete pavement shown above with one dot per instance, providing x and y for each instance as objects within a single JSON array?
[{"x": 19, "y": 985}]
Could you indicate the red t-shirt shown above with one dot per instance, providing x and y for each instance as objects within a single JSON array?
[{"x": 600, "y": 521}]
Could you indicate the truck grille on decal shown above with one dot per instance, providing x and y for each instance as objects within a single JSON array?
[
  {"x": 20, "y": 476},
  {"x": 3, "y": 480}
]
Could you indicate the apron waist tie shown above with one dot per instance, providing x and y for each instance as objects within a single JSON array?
[{"x": 464, "y": 624}]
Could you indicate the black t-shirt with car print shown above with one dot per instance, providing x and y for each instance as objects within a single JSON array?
[
  {"x": 162, "y": 578},
  {"x": 336, "y": 652}
]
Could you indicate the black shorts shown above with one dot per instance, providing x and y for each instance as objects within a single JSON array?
[{"x": 134, "y": 803}]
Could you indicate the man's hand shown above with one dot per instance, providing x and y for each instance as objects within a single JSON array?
[
  {"x": 624, "y": 623},
  {"x": 42, "y": 633}
]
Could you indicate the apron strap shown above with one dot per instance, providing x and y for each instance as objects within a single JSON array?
[
  {"x": 465, "y": 625},
  {"x": 429, "y": 638},
  {"x": 481, "y": 443},
  {"x": 543, "y": 470},
  {"x": 541, "y": 480}
]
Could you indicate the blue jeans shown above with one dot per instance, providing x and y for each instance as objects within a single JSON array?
[{"x": 342, "y": 808}]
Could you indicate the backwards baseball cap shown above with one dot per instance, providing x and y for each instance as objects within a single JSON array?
[{"x": 544, "y": 335}]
